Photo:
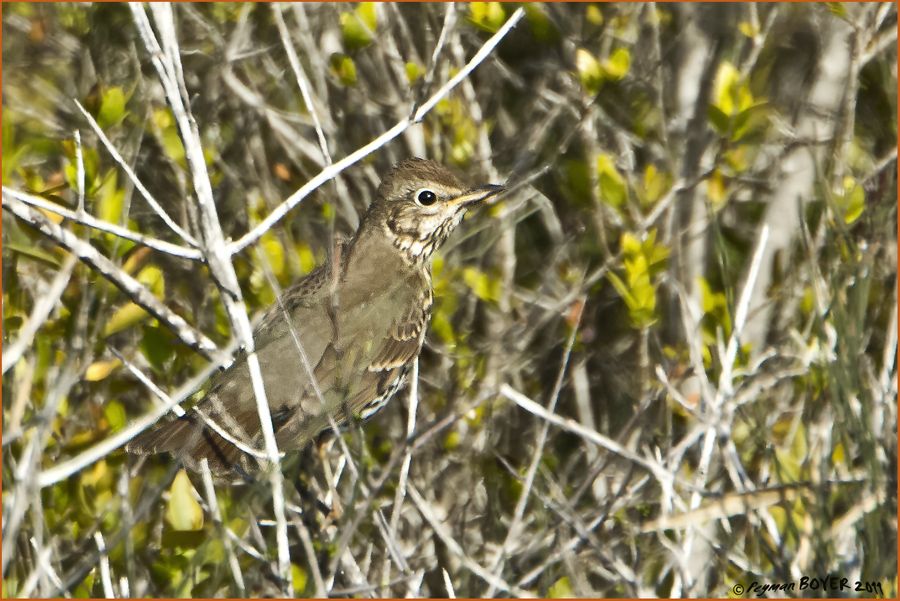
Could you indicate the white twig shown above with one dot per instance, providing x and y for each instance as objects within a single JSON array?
[
  {"x": 134, "y": 179},
  {"x": 79, "y": 167},
  {"x": 136, "y": 291},
  {"x": 593, "y": 436},
  {"x": 42, "y": 307},
  {"x": 332, "y": 170},
  {"x": 407, "y": 458},
  {"x": 105, "y": 577},
  {"x": 448, "y": 584},
  {"x": 456, "y": 549},
  {"x": 740, "y": 317},
  {"x": 449, "y": 22},
  {"x": 213, "y": 503},
  {"x": 63, "y": 470},
  {"x": 302, "y": 82},
  {"x": 168, "y": 66},
  {"x": 104, "y": 226}
]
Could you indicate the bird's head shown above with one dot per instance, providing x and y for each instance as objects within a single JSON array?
[{"x": 419, "y": 203}]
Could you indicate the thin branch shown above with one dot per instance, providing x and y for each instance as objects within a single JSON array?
[
  {"x": 157, "y": 208},
  {"x": 537, "y": 456},
  {"x": 213, "y": 502},
  {"x": 332, "y": 170},
  {"x": 104, "y": 226},
  {"x": 136, "y": 291},
  {"x": 455, "y": 548},
  {"x": 43, "y": 305},
  {"x": 168, "y": 66},
  {"x": 105, "y": 576},
  {"x": 661, "y": 474}
]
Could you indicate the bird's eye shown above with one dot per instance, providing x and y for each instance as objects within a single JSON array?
[{"x": 426, "y": 197}]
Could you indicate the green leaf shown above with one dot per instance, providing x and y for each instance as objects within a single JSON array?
[
  {"x": 156, "y": 346},
  {"x": 112, "y": 107},
  {"x": 110, "y": 199},
  {"x": 488, "y": 16},
  {"x": 852, "y": 202},
  {"x": 124, "y": 317},
  {"x": 589, "y": 71},
  {"x": 114, "y": 412},
  {"x": 612, "y": 185},
  {"x": 484, "y": 287},
  {"x": 616, "y": 66},
  {"x": 655, "y": 185},
  {"x": 345, "y": 69},
  {"x": 183, "y": 512},
  {"x": 359, "y": 26},
  {"x": 718, "y": 119},
  {"x": 561, "y": 589},
  {"x": 749, "y": 121},
  {"x": 541, "y": 25}
]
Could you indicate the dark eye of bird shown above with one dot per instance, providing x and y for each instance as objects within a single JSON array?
[{"x": 426, "y": 197}]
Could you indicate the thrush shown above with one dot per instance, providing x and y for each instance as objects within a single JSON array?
[{"x": 338, "y": 343}]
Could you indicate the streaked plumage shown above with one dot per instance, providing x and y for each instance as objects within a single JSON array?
[{"x": 360, "y": 319}]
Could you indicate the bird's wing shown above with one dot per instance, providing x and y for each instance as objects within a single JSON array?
[
  {"x": 230, "y": 402},
  {"x": 403, "y": 341}
]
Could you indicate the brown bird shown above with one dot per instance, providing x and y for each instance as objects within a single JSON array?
[{"x": 340, "y": 341}]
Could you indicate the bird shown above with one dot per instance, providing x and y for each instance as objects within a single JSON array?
[{"x": 337, "y": 344}]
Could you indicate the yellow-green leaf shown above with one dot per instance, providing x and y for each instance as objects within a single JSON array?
[
  {"x": 593, "y": 14},
  {"x": 344, "y": 67},
  {"x": 274, "y": 253},
  {"x": 112, "y": 107},
  {"x": 306, "y": 257},
  {"x": 589, "y": 71},
  {"x": 747, "y": 28},
  {"x": 413, "y": 71},
  {"x": 612, "y": 185},
  {"x": 484, "y": 287},
  {"x": 561, "y": 589},
  {"x": 110, "y": 199},
  {"x": 124, "y": 317},
  {"x": 298, "y": 578},
  {"x": 114, "y": 412},
  {"x": 183, "y": 512},
  {"x": 99, "y": 370},
  {"x": 852, "y": 201},
  {"x": 616, "y": 66},
  {"x": 487, "y": 15},
  {"x": 359, "y": 25},
  {"x": 153, "y": 278}
]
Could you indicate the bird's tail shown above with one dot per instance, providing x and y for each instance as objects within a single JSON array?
[{"x": 191, "y": 440}]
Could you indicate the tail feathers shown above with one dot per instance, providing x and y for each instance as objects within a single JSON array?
[{"x": 188, "y": 438}]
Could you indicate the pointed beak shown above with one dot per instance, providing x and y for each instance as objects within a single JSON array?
[{"x": 476, "y": 195}]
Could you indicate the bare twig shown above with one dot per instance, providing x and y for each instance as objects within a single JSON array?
[
  {"x": 332, "y": 170},
  {"x": 104, "y": 226},
  {"x": 154, "y": 204},
  {"x": 136, "y": 291},
  {"x": 39, "y": 313},
  {"x": 167, "y": 61}
]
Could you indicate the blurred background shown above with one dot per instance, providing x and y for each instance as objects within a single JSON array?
[{"x": 663, "y": 365}]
